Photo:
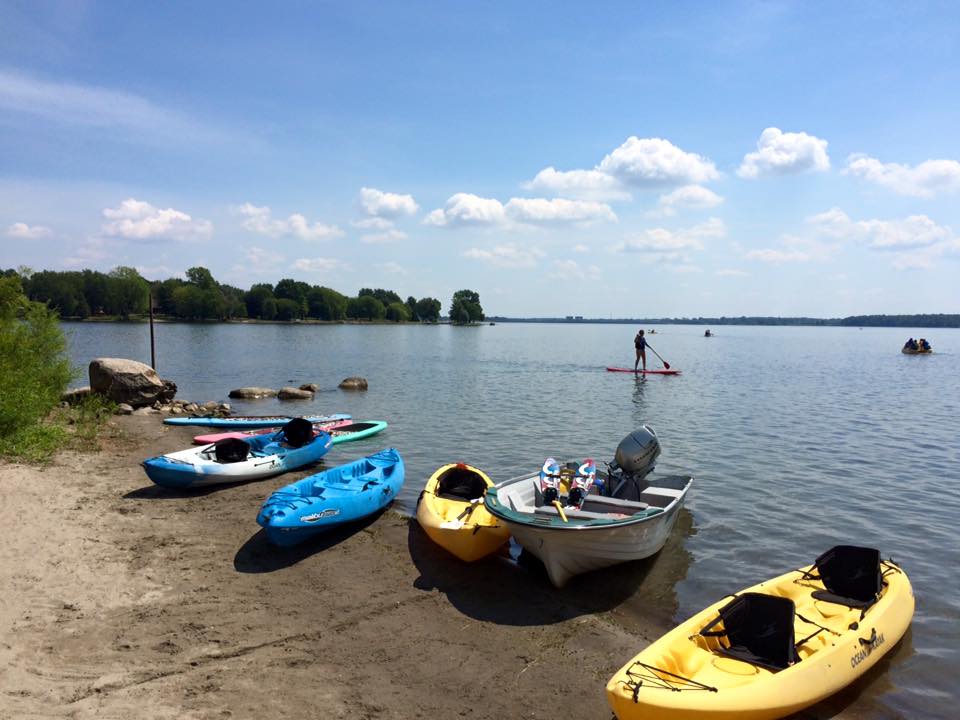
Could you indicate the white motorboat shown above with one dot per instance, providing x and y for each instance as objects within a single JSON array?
[{"x": 632, "y": 523}]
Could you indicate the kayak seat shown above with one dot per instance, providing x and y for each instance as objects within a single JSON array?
[
  {"x": 851, "y": 576},
  {"x": 460, "y": 483},
  {"x": 231, "y": 450},
  {"x": 298, "y": 432},
  {"x": 758, "y": 629}
]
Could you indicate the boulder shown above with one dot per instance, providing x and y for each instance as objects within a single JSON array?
[
  {"x": 169, "y": 390},
  {"x": 72, "y": 397},
  {"x": 252, "y": 393},
  {"x": 176, "y": 409},
  {"x": 126, "y": 381},
  {"x": 211, "y": 405},
  {"x": 146, "y": 411},
  {"x": 191, "y": 407},
  {"x": 124, "y": 409},
  {"x": 353, "y": 383},
  {"x": 292, "y": 393},
  {"x": 223, "y": 409},
  {"x": 312, "y": 387}
]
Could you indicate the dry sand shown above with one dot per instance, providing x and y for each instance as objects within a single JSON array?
[{"x": 119, "y": 599}]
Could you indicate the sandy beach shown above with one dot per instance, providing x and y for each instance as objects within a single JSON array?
[{"x": 119, "y": 599}]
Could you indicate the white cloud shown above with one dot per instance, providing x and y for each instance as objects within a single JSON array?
[
  {"x": 780, "y": 153},
  {"x": 658, "y": 240},
  {"x": 731, "y": 272},
  {"x": 508, "y": 255},
  {"x": 98, "y": 107},
  {"x": 583, "y": 184},
  {"x": 654, "y": 162},
  {"x": 385, "y": 204},
  {"x": 925, "y": 180},
  {"x": 540, "y": 210},
  {"x": 90, "y": 253},
  {"x": 260, "y": 220},
  {"x": 468, "y": 209},
  {"x": 689, "y": 196},
  {"x": 138, "y": 220},
  {"x": 373, "y": 223},
  {"x": 393, "y": 268},
  {"x": 581, "y": 248},
  {"x": 777, "y": 257},
  {"x": 910, "y": 232},
  {"x": 320, "y": 265},
  {"x": 28, "y": 232},
  {"x": 572, "y": 270},
  {"x": 389, "y": 236}
]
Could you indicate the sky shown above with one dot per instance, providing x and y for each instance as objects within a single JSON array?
[{"x": 599, "y": 159}]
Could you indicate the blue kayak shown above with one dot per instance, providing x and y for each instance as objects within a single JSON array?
[
  {"x": 342, "y": 494},
  {"x": 235, "y": 460},
  {"x": 249, "y": 422}
]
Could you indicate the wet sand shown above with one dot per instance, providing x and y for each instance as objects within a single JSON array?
[{"x": 119, "y": 599}]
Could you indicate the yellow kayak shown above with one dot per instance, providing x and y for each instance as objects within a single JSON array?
[
  {"x": 774, "y": 648},
  {"x": 451, "y": 512}
]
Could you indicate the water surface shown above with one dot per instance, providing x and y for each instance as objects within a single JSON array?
[{"x": 799, "y": 439}]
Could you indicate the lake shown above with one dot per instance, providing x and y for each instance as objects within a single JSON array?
[{"x": 799, "y": 439}]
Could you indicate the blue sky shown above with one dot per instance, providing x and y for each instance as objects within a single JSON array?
[{"x": 621, "y": 159}]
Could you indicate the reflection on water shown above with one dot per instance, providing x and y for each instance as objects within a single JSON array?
[{"x": 798, "y": 439}]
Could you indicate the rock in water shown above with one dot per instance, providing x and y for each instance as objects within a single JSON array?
[
  {"x": 292, "y": 393},
  {"x": 312, "y": 387},
  {"x": 126, "y": 381},
  {"x": 252, "y": 393},
  {"x": 353, "y": 383}
]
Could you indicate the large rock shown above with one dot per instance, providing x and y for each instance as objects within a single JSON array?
[
  {"x": 292, "y": 393},
  {"x": 126, "y": 381},
  {"x": 252, "y": 393},
  {"x": 353, "y": 383},
  {"x": 312, "y": 387}
]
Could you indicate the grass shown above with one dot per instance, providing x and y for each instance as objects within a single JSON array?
[{"x": 77, "y": 427}]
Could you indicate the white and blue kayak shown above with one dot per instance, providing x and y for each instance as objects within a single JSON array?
[
  {"x": 235, "y": 460},
  {"x": 250, "y": 422},
  {"x": 349, "y": 492}
]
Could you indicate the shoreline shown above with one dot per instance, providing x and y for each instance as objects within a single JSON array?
[{"x": 127, "y": 600}]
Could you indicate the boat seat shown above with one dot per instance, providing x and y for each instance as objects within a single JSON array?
[
  {"x": 851, "y": 576},
  {"x": 601, "y": 504},
  {"x": 571, "y": 513},
  {"x": 758, "y": 629}
]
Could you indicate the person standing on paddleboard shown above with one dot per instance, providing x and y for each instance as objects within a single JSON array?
[{"x": 640, "y": 343}]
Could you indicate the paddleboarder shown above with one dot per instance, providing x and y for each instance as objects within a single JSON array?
[{"x": 640, "y": 343}]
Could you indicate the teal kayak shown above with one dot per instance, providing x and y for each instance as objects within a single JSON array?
[{"x": 356, "y": 431}]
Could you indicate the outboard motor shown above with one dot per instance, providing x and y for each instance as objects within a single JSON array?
[{"x": 635, "y": 458}]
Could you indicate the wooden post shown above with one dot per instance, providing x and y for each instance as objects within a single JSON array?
[{"x": 153, "y": 351}]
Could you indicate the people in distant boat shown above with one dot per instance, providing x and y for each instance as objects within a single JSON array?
[
  {"x": 708, "y": 334},
  {"x": 640, "y": 343},
  {"x": 911, "y": 344},
  {"x": 924, "y": 345}
]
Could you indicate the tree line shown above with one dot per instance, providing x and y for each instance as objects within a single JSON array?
[{"x": 123, "y": 292}]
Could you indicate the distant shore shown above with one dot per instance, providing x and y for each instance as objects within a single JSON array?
[{"x": 889, "y": 321}]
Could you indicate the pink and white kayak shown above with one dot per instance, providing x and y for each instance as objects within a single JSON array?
[
  {"x": 243, "y": 435},
  {"x": 643, "y": 372}
]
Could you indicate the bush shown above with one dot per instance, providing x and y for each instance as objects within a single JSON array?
[{"x": 34, "y": 369}]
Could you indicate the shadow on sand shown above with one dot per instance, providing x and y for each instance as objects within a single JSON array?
[
  {"x": 259, "y": 555},
  {"x": 502, "y": 590}
]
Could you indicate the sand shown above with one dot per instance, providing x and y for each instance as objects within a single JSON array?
[{"x": 119, "y": 599}]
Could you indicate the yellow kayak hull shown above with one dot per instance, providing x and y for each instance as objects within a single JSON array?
[
  {"x": 736, "y": 690},
  {"x": 459, "y": 525}
]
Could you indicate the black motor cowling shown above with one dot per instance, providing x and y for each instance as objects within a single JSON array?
[{"x": 637, "y": 453}]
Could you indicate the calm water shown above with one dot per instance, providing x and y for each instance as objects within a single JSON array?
[{"x": 799, "y": 439}]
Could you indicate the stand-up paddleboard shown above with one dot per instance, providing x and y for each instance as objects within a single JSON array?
[
  {"x": 644, "y": 372},
  {"x": 248, "y": 422}
]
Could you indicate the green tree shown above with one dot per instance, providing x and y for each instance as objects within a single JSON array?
[
  {"x": 287, "y": 309},
  {"x": 397, "y": 312},
  {"x": 384, "y": 296},
  {"x": 293, "y": 290},
  {"x": 326, "y": 304},
  {"x": 127, "y": 292},
  {"x": 465, "y": 307},
  {"x": 269, "y": 310},
  {"x": 34, "y": 369},
  {"x": 201, "y": 277},
  {"x": 365, "y": 307},
  {"x": 428, "y": 309},
  {"x": 255, "y": 298},
  {"x": 412, "y": 307}
]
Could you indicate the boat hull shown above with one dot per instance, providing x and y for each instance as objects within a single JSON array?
[{"x": 343, "y": 494}]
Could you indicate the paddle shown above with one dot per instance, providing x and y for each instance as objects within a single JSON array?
[
  {"x": 665, "y": 363},
  {"x": 460, "y": 520}
]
